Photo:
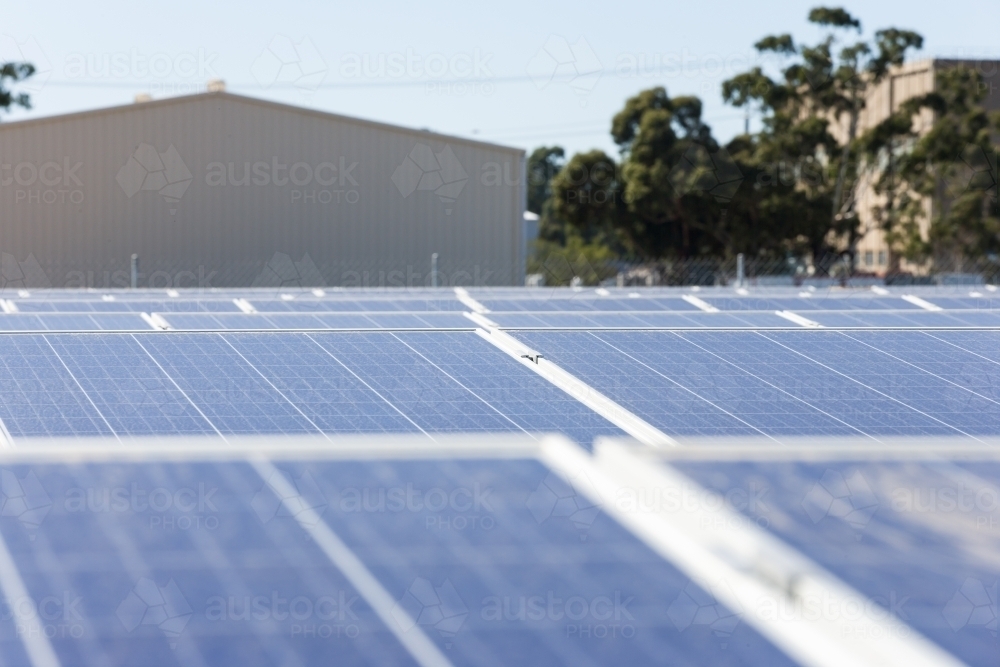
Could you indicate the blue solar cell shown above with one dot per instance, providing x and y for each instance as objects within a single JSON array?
[
  {"x": 226, "y": 321},
  {"x": 77, "y": 306},
  {"x": 177, "y": 564},
  {"x": 910, "y": 537},
  {"x": 73, "y": 322}
]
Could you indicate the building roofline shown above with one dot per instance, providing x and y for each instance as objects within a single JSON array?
[
  {"x": 245, "y": 99},
  {"x": 911, "y": 66}
]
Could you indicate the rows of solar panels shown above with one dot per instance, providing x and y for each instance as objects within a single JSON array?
[
  {"x": 501, "y": 555},
  {"x": 691, "y": 383},
  {"x": 535, "y": 309}
]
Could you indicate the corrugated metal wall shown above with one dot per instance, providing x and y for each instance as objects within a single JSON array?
[{"x": 230, "y": 191}]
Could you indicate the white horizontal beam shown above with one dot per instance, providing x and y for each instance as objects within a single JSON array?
[{"x": 621, "y": 417}]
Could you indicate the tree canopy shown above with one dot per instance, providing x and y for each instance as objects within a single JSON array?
[
  {"x": 13, "y": 73},
  {"x": 791, "y": 188}
]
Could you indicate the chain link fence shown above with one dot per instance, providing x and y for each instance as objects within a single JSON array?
[{"x": 831, "y": 270}]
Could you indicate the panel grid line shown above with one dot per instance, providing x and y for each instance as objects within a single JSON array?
[
  {"x": 984, "y": 358},
  {"x": 456, "y": 381},
  {"x": 366, "y": 384},
  {"x": 774, "y": 386},
  {"x": 690, "y": 391},
  {"x": 870, "y": 388},
  {"x": 272, "y": 385},
  {"x": 80, "y": 386},
  {"x": 923, "y": 370},
  {"x": 179, "y": 388}
]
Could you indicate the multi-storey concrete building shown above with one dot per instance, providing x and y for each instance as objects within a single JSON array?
[{"x": 903, "y": 83}]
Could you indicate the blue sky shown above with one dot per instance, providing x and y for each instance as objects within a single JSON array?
[{"x": 516, "y": 73}]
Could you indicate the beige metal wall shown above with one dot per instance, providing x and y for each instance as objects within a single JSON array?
[{"x": 320, "y": 204}]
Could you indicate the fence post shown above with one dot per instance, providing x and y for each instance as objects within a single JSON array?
[
  {"x": 135, "y": 270},
  {"x": 739, "y": 270},
  {"x": 434, "y": 269}
]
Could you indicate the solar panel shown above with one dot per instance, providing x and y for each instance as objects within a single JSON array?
[
  {"x": 810, "y": 303},
  {"x": 638, "y": 320},
  {"x": 124, "y": 306},
  {"x": 910, "y": 319},
  {"x": 773, "y": 383},
  {"x": 318, "y": 320},
  {"x": 589, "y": 304},
  {"x": 421, "y": 304},
  {"x": 280, "y": 383},
  {"x": 21, "y": 322},
  {"x": 40, "y": 396},
  {"x": 982, "y": 302},
  {"x": 73, "y": 322},
  {"x": 155, "y": 565},
  {"x": 435, "y": 413}
]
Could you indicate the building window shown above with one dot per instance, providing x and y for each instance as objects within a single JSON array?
[
  {"x": 869, "y": 258},
  {"x": 881, "y": 258}
]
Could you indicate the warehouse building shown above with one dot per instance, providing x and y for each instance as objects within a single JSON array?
[{"x": 221, "y": 190}]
